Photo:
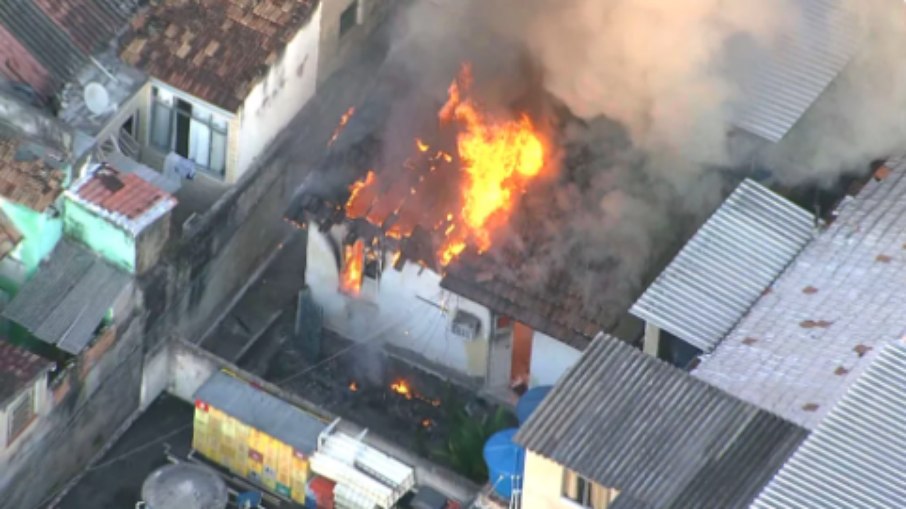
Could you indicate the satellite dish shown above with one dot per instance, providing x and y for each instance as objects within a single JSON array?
[{"x": 97, "y": 100}]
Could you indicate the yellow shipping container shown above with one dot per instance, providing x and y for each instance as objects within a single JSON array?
[
  {"x": 249, "y": 452},
  {"x": 226, "y": 405}
]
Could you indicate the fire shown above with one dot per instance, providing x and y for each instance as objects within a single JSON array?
[
  {"x": 353, "y": 386},
  {"x": 494, "y": 161},
  {"x": 401, "y": 387},
  {"x": 343, "y": 121},
  {"x": 353, "y": 262}
]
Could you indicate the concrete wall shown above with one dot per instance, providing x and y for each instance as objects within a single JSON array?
[
  {"x": 89, "y": 405},
  {"x": 40, "y": 234},
  {"x": 151, "y": 243},
  {"x": 550, "y": 359},
  {"x": 407, "y": 309},
  {"x": 113, "y": 243},
  {"x": 335, "y": 50},
  {"x": 285, "y": 88}
]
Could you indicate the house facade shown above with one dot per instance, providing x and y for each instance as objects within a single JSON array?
[
  {"x": 403, "y": 303},
  {"x": 23, "y": 395},
  {"x": 119, "y": 215},
  {"x": 623, "y": 430}
]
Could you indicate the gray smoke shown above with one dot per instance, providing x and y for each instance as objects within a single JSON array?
[{"x": 650, "y": 85}]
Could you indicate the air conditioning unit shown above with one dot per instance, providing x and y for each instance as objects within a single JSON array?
[{"x": 465, "y": 325}]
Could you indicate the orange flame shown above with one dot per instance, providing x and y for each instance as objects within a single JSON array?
[
  {"x": 343, "y": 121},
  {"x": 353, "y": 262},
  {"x": 498, "y": 158},
  {"x": 495, "y": 161},
  {"x": 401, "y": 387},
  {"x": 353, "y": 386}
]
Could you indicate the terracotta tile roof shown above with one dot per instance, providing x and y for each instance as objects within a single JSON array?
[
  {"x": 18, "y": 368},
  {"x": 25, "y": 177},
  {"x": 10, "y": 236},
  {"x": 125, "y": 198},
  {"x": 554, "y": 307},
  {"x": 215, "y": 50}
]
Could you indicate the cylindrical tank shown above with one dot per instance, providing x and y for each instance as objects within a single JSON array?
[
  {"x": 530, "y": 401},
  {"x": 185, "y": 485},
  {"x": 505, "y": 461}
]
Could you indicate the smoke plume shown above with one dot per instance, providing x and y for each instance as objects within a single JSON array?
[{"x": 650, "y": 87}]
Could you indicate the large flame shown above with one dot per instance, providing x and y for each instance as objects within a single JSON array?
[
  {"x": 495, "y": 160},
  {"x": 353, "y": 263}
]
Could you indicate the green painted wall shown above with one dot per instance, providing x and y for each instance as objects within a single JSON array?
[
  {"x": 104, "y": 238},
  {"x": 40, "y": 233}
]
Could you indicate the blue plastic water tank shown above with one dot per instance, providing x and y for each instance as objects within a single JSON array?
[
  {"x": 530, "y": 401},
  {"x": 504, "y": 459}
]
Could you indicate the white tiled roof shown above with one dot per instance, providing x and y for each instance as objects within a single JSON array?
[
  {"x": 823, "y": 39},
  {"x": 824, "y": 319},
  {"x": 856, "y": 458},
  {"x": 726, "y": 266}
]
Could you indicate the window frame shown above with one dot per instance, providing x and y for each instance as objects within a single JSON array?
[
  {"x": 12, "y": 433},
  {"x": 214, "y": 130},
  {"x": 352, "y": 10}
]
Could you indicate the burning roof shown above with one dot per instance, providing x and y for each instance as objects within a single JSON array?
[{"x": 456, "y": 208}]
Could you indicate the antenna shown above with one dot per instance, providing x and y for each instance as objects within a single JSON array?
[{"x": 97, "y": 100}]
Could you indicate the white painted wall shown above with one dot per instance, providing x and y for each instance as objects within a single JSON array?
[
  {"x": 550, "y": 359},
  {"x": 408, "y": 310},
  {"x": 274, "y": 101}
]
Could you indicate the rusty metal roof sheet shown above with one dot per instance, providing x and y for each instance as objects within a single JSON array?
[{"x": 806, "y": 341}]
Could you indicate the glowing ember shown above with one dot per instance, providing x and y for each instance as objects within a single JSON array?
[
  {"x": 494, "y": 162},
  {"x": 427, "y": 423},
  {"x": 353, "y": 262},
  {"x": 343, "y": 121},
  {"x": 401, "y": 387},
  {"x": 353, "y": 386}
]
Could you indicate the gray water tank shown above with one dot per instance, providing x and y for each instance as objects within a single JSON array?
[{"x": 186, "y": 486}]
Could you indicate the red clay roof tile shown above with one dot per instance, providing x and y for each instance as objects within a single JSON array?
[{"x": 213, "y": 49}]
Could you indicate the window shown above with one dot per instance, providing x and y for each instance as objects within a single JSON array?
[
  {"x": 190, "y": 130},
  {"x": 349, "y": 18},
  {"x": 586, "y": 493},
  {"x": 21, "y": 413}
]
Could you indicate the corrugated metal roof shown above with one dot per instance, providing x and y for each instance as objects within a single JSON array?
[
  {"x": 629, "y": 421},
  {"x": 803, "y": 343},
  {"x": 726, "y": 266},
  {"x": 43, "y": 38},
  {"x": 856, "y": 458},
  {"x": 262, "y": 411},
  {"x": 821, "y": 42},
  {"x": 66, "y": 300}
]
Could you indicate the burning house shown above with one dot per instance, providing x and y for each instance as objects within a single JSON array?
[
  {"x": 496, "y": 230},
  {"x": 429, "y": 260}
]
